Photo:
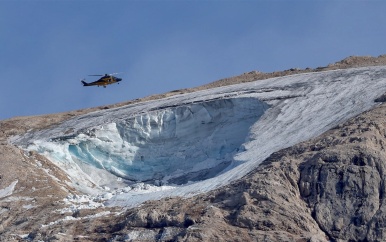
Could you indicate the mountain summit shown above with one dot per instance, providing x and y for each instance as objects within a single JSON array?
[{"x": 295, "y": 155}]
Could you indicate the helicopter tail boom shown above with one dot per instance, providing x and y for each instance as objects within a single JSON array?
[{"x": 85, "y": 83}]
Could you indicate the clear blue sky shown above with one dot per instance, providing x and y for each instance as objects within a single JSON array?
[{"x": 46, "y": 47}]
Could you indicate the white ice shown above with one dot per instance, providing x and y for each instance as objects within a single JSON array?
[{"x": 192, "y": 143}]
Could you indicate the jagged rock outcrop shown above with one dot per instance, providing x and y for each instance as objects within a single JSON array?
[{"x": 343, "y": 181}]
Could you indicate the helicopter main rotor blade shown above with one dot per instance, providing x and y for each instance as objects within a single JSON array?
[
  {"x": 115, "y": 73},
  {"x": 107, "y": 74}
]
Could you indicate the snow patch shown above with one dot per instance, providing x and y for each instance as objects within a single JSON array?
[
  {"x": 8, "y": 190},
  {"x": 71, "y": 218}
]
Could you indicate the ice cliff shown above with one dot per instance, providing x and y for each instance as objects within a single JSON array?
[{"x": 171, "y": 145}]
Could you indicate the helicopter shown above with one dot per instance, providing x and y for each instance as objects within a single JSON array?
[{"x": 105, "y": 80}]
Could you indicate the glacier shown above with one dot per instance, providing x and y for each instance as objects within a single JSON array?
[
  {"x": 171, "y": 145},
  {"x": 195, "y": 142}
]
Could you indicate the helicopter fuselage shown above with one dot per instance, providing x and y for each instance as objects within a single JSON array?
[{"x": 103, "y": 81}]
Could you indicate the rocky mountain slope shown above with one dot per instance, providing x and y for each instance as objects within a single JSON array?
[{"x": 328, "y": 188}]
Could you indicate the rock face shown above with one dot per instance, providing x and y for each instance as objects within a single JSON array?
[
  {"x": 327, "y": 189},
  {"x": 331, "y": 188},
  {"x": 343, "y": 181}
]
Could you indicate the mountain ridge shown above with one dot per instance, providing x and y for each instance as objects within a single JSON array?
[{"x": 252, "y": 209}]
